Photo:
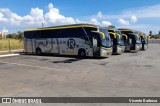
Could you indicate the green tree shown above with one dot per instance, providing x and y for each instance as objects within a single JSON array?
[
  {"x": 14, "y": 36},
  {"x": 20, "y": 35},
  {"x": 9, "y": 36},
  {"x": 150, "y": 33}
]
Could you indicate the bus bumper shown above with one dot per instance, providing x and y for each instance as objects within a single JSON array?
[
  {"x": 120, "y": 49},
  {"x": 123, "y": 48},
  {"x": 138, "y": 47},
  {"x": 144, "y": 47},
  {"x": 127, "y": 48},
  {"x": 105, "y": 52}
]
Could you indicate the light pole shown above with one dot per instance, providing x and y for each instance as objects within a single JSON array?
[
  {"x": 43, "y": 23},
  {"x": 5, "y": 31}
]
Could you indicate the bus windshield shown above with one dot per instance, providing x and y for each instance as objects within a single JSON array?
[
  {"x": 135, "y": 32},
  {"x": 145, "y": 38},
  {"x": 138, "y": 38},
  {"x": 107, "y": 40},
  {"x": 121, "y": 40}
]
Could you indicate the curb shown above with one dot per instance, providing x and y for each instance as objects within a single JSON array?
[
  {"x": 17, "y": 50},
  {"x": 9, "y": 55}
]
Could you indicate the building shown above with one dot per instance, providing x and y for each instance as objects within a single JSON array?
[{"x": 2, "y": 35}]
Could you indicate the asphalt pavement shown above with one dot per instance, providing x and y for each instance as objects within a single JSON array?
[{"x": 126, "y": 75}]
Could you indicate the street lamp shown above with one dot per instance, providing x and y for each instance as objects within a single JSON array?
[
  {"x": 43, "y": 23},
  {"x": 4, "y": 31}
]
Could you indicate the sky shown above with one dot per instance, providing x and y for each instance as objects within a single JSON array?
[{"x": 19, "y": 15}]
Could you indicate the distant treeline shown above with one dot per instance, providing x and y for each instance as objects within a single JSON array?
[
  {"x": 156, "y": 36},
  {"x": 19, "y": 35}
]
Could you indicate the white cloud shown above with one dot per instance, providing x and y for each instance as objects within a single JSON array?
[
  {"x": 35, "y": 18},
  {"x": 145, "y": 12},
  {"x": 99, "y": 14},
  {"x": 101, "y": 23},
  {"x": 37, "y": 15},
  {"x": 133, "y": 19},
  {"x": 80, "y": 21},
  {"x": 94, "y": 21},
  {"x": 10, "y": 16},
  {"x": 123, "y": 22},
  {"x": 142, "y": 27},
  {"x": 6, "y": 12},
  {"x": 142, "y": 12},
  {"x": 2, "y": 19},
  {"x": 145, "y": 18},
  {"x": 106, "y": 23},
  {"x": 54, "y": 17}
]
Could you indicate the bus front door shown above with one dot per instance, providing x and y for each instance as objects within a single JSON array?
[{"x": 96, "y": 51}]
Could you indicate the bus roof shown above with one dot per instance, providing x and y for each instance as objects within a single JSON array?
[
  {"x": 114, "y": 29},
  {"x": 124, "y": 29},
  {"x": 65, "y": 26}
]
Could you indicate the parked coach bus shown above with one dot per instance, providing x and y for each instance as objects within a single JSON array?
[
  {"x": 144, "y": 39},
  {"x": 117, "y": 40},
  {"x": 77, "y": 39},
  {"x": 134, "y": 40}
]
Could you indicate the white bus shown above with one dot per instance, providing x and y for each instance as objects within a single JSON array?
[
  {"x": 77, "y": 39},
  {"x": 117, "y": 40}
]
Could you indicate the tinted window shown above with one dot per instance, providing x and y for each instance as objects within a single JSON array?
[
  {"x": 126, "y": 32},
  {"x": 48, "y": 33},
  {"x": 70, "y": 32},
  {"x": 26, "y": 34},
  {"x": 56, "y": 33},
  {"x": 32, "y": 34},
  {"x": 113, "y": 40},
  {"x": 89, "y": 30},
  {"x": 107, "y": 41},
  {"x": 110, "y": 31}
]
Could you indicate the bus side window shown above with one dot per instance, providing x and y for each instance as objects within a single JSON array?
[
  {"x": 58, "y": 33},
  {"x": 71, "y": 32},
  {"x": 96, "y": 37},
  {"x": 79, "y": 33},
  {"x": 95, "y": 42},
  {"x": 113, "y": 40}
]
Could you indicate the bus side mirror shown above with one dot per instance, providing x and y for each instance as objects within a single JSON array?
[
  {"x": 95, "y": 42},
  {"x": 130, "y": 41}
]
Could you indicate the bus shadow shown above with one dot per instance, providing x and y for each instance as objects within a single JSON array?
[
  {"x": 73, "y": 58},
  {"x": 131, "y": 52},
  {"x": 68, "y": 61}
]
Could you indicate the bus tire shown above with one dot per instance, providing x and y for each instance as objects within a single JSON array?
[
  {"x": 82, "y": 53},
  {"x": 38, "y": 51}
]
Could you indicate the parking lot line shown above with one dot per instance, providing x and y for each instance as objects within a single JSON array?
[
  {"x": 8, "y": 55},
  {"x": 49, "y": 68}
]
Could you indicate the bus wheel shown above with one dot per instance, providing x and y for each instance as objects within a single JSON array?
[
  {"x": 38, "y": 52},
  {"x": 82, "y": 53}
]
